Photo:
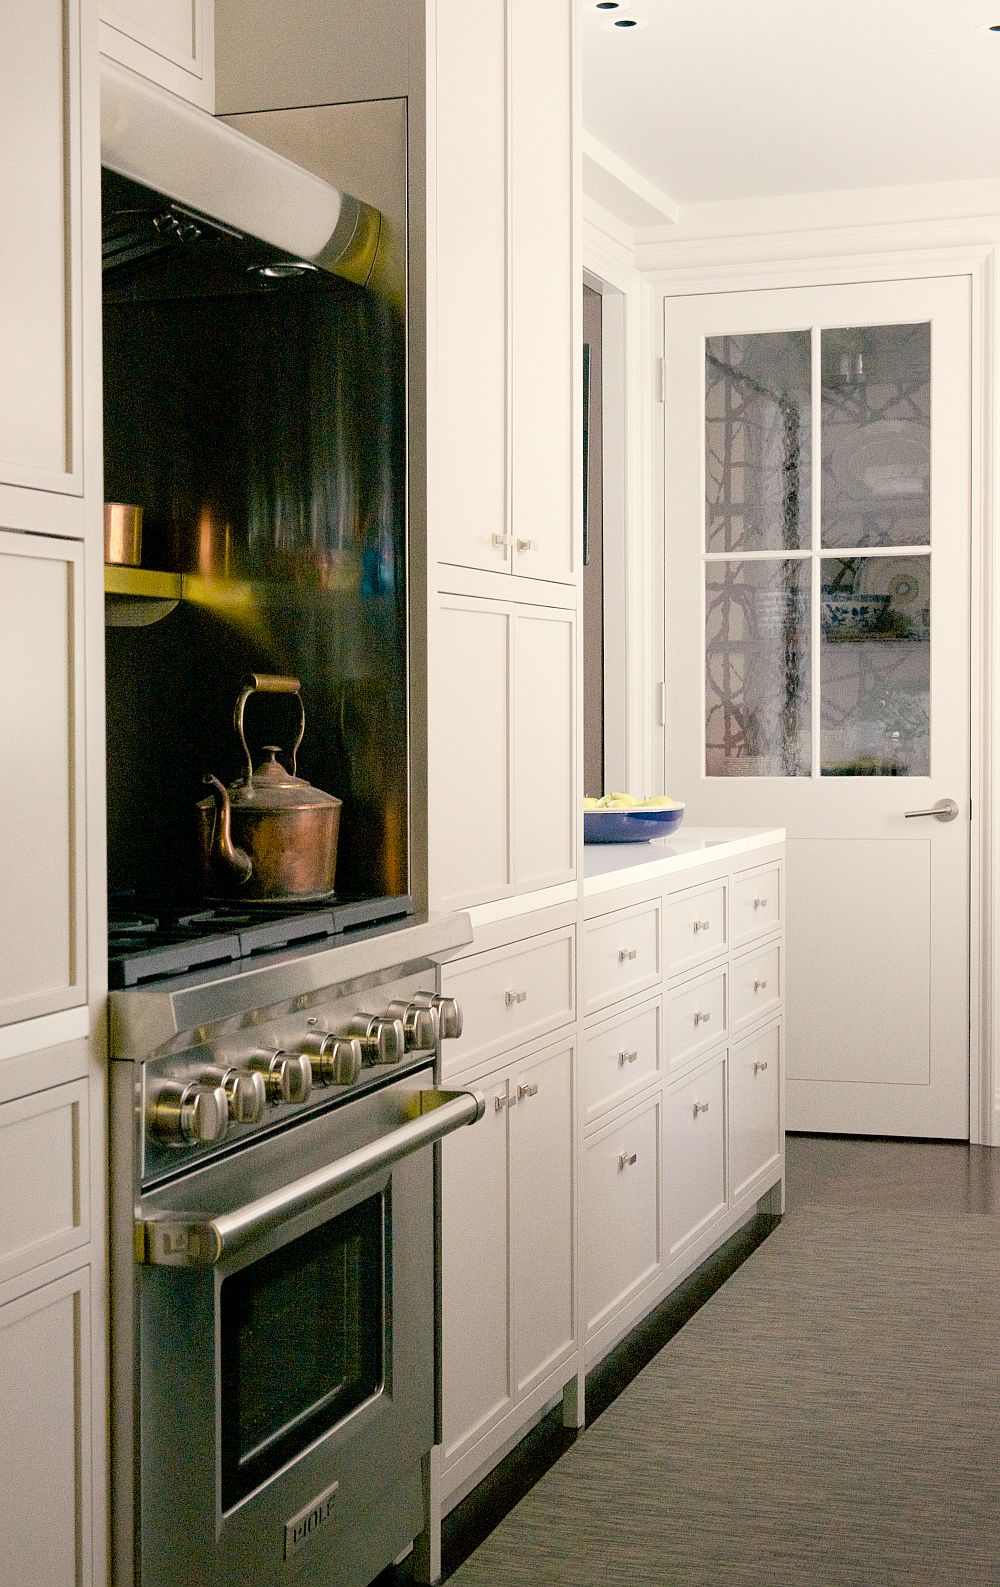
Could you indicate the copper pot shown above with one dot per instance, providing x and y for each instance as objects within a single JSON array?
[{"x": 270, "y": 837}]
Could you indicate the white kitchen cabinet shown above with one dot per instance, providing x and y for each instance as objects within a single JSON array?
[
  {"x": 45, "y": 1188},
  {"x": 46, "y": 1497},
  {"x": 508, "y": 1276},
  {"x": 694, "y": 1155},
  {"x": 511, "y": 994},
  {"x": 502, "y": 772},
  {"x": 622, "y": 954},
  {"x": 41, "y": 445},
  {"x": 170, "y": 42},
  {"x": 696, "y": 1016},
  {"x": 620, "y": 1211},
  {"x": 756, "y": 1126},
  {"x": 621, "y": 1057},
  {"x": 42, "y": 899},
  {"x": 502, "y": 420}
]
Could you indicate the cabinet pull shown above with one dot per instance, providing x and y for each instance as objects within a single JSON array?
[
  {"x": 626, "y": 953},
  {"x": 760, "y": 903},
  {"x": 759, "y": 1064},
  {"x": 626, "y": 1159},
  {"x": 515, "y": 997},
  {"x": 504, "y": 1102},
  {"x": 700, "y": 1107},
  {"x": 526, "y": 545},
  {"x": 526, "y": 1090},
  {"x": 628, "y": 1057},
  {"x": 702, "y": 1019},
  {"x": 499, "y": 540},
  {"x": 701, "y": 925},
  {"x": 759, "y": 986}
]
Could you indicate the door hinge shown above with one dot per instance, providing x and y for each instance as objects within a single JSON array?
[
  {"x": 661, "y": 703},
  {"x": 662, "y": 378}
]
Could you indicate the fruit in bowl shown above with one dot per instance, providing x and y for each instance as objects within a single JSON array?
[{"x": 622, "y": 818}]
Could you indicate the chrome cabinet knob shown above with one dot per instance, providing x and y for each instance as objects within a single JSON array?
[
  {"x": 179, "y": 1114},
  {"x": 336, "y": 1060},
  {"x": 245, "y": 1091},
  {"x": 287, "y": 1075},
  {"x": 383, "y": 1040}
]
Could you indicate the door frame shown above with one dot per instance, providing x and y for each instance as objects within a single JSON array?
[{"x": 980, "y": 264}]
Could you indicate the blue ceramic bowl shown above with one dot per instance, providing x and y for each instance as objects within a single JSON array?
[{"x": 630, "y": 826}]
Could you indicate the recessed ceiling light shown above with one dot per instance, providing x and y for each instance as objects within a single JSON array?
[
  {"x": 625, "y": 23},
  {"x": 607, "y": 5}
]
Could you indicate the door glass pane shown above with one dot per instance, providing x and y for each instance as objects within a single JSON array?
[
  {"x": 875, "y": 666},
  {"x": 876, "y": 436},
  {"x": 757, "y": 685},
  {"x": 758, "y": 427}
]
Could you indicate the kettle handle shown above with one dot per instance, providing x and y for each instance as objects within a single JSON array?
[{"x": 267, "y": 683}]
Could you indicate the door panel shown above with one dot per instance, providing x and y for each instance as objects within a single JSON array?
[{"x": 817, "y": 529}]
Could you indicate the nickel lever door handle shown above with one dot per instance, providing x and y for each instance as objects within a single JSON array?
[{"x": 945, "y": 810}]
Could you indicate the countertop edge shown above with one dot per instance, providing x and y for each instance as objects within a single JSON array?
[{"x": 608, "y": 866}]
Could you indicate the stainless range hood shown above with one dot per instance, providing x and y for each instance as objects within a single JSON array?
[{"x": 154, "y": 138}]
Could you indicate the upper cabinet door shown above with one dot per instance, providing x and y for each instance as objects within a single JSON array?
[
  {"x": 40, "y": 296},
  {"x": 468, "y": 328},
  {"x": 42, "y": 945},
  {"x": 169, "y": 41},
  {"x": 543, "y": 289}
]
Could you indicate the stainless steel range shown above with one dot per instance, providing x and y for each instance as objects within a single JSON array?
[{"x": 274, "y": 1259}]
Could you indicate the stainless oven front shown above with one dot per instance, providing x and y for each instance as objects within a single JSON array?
[{"x": 286, "y": 1351}]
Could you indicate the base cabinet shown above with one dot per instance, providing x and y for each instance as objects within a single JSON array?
[
  {"x": 508, "y": 1313},
  {"x": 694, "y": 1155},
  {"x": 620, "y": 1211},
  {"x": 756, "y": 1128},
  {"x": 45, "y": 1441}
]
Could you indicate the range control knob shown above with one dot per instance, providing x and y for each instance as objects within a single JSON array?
[
  {"x": 449, "y": 1012},
  {"x": 245, "y": 1091},
  {"x": 420, "y": 1025},
  {"x": 179, "y": 1114},
  {"x": 382, "y": 1038},
  {"x": 287, "y": 1075},
  {"x": 335, "y": 1060}
]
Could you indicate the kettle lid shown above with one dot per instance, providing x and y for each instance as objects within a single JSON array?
[{"x": 271, "y": 787}]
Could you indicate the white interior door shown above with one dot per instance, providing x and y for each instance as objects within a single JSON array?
[{"x": 817, "y": 555}]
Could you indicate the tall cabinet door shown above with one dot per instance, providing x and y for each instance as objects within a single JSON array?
[
  {"x": 40, "y": 333},
  {"x": 544, "y": 747},
  {"x": 542, "y": 1194},
  {"x": 468, "y": 462},
  {"x": 543, "y": 353},
  {"x": 42, "y": 948}
]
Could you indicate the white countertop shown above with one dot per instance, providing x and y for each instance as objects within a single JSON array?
[{"x": 610, "y": 865}]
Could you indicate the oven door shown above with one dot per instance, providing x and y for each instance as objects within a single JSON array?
[{"x": 286, "y": 1388}]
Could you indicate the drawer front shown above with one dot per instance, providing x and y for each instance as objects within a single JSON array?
[
  {"x": 756, "y": 985},
  {"x": 618, "y": 1232},
  {"x": 697, "y": 1018},
  {"x": 756, "y": 903},
  {"x": 694, "y": 1156},
  {"x": 695, "y": 927},
  {"x": 754, "y": 1108},
  {"x": 510, "y": 996},
  {"x": 622, "y": 955},
  {"x": 44, "y": 1189},
  {"x": 619, "y": 1058}
]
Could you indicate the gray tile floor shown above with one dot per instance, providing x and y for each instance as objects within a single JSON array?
[{"x": 892, "y": 1176}]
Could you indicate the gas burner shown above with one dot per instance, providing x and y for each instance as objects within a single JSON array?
[{"x": 153, "y": 944}]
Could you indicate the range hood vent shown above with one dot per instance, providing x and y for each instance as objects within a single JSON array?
[{"x": 160, "y": 141}]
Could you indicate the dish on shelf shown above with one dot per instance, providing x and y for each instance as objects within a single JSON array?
[
  {"x": 633, "y": 825},
  {"x": 888, "y": 458}
]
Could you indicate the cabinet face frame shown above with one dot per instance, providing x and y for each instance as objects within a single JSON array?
[
  {"x": 72, "y": 992},
  {"x": 66, "y": 479},
  {"x": 188, "y": 72}
]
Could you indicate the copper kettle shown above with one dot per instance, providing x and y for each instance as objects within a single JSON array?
[{"x": 270, "y": 837}]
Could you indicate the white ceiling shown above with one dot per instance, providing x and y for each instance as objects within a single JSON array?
[{"x": 731, "y": 99}]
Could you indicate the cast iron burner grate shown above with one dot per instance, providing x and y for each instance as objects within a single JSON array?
[{"x": 151, "y": 944}]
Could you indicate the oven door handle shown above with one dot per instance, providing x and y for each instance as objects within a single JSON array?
[{"x": 179, "y": 1241}]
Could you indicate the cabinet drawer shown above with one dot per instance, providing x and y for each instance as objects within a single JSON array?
[
  {"x": 619, "y": 1058},
  {"x": 754, "y": 1108},
  {"x": 510, "y": 995},
  {"x": 756, "y": 985},
  {"x": 695, "y": 927},
  {"x": 694, "y": 1155},
  {"x": 618, "y": 1235},
  {"x": 756, "y": 903},
  {"x": 697, "y": 1018},
  {"x": 622, "y": 955},
  {"x": 44, "y": 1201}
]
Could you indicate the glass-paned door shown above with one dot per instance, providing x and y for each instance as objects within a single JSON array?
[{"x": 817, "y": 511}]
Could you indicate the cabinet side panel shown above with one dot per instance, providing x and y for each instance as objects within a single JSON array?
[{"x": 545, "y": 809}]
